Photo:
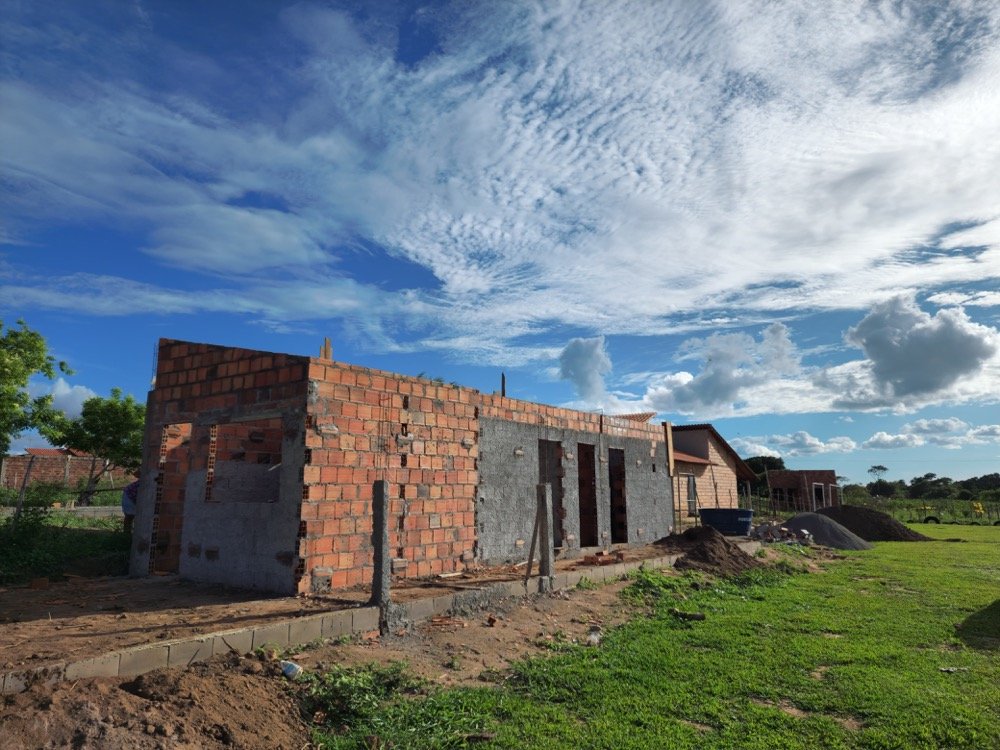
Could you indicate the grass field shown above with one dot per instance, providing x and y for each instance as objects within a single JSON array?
[{"x": 898, "y": 647}]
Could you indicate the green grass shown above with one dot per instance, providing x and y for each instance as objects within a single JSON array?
[
  {"x": 50, "y": 543},
  {"x": 856, "y": 652}
]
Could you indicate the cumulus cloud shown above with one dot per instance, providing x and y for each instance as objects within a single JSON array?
[
  {"x": 883, "y": 440},
  {"x": 65, "y": 397},
  {"x": 934, "y": 426},
  {"x": 731, "y": 363},
  {"x": 748, "y": 447},
  {"x": 584, "y": 362},
  {"x": 799, "y": 443},
  {"x": 912, "y": 353},
  {"x": 986, "y": 433}
]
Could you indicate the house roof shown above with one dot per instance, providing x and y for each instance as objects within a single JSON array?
[
  {"x": 47, "y": 452},
  {"x": 641, "y": 416},
  {"x": 742, "y": 470},
  {"x": 687, "y": 458},
  {"x": 56, "y": 452}
]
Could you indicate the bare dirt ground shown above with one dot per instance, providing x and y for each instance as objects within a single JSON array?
[
  {"x": 84, "y": 617},
  {"x": 239, "y": 702},
  {"x": 245, "y": 702}
]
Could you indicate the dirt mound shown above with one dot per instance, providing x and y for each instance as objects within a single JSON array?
[
  {"x": 225, "y": 703},
  {"x": 707, "y": 550},
  {"x": 872, "y": 525},
  {"x": 826, "y": 531}
]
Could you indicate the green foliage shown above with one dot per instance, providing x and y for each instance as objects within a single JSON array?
[
  {"x": 760, "y": 465},
  {"x": 585, "y": 584},
  {"x": 110, "y": 428},
  {"x": 23, "y": 354},
  {"x": 49, "y": 543}
]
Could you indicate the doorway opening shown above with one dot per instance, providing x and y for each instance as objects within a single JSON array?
[
  {"x": 616, "y": 482},
  {"x": 588, "y": 495},
  {"x": 550, "y": 472}
]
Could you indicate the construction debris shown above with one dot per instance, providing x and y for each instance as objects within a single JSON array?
[{"x": 825, "y": 531}]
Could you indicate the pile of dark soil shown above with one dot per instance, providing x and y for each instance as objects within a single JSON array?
[
  {"x": 707, "y": 550},
  {"x": 826, "y": 531},
  {"x": 872, "y": 525},
  {"x": 227, "y": 702}
]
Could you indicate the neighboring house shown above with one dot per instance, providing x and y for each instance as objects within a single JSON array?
[
  {"x": 708, "y": 473},
  {"x": 804, "y": 490},
  {"x": 258, "y": 472},
  {"x": 55, "y": 466}
]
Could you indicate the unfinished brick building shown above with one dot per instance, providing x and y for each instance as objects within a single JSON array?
[
  {"x": 258, "y": 472},
  {"x": 802, "y": 490}
]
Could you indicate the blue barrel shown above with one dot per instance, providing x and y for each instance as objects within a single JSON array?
[{"x": 728, "y": 521}]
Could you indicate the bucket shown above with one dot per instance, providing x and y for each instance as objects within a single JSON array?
[{"x": 727, "y": 521}]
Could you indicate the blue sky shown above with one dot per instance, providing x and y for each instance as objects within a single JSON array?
[{"x": 782, "y": 218}]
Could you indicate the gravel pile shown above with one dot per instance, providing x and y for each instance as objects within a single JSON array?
[
  {"x": 826, "y": 531},
  {"x": 872, "y": 525}
]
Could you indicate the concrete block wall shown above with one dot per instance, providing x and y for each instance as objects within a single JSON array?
[
  {"x": 419, "y": 436},
  {"x": 198, "y": 388}
]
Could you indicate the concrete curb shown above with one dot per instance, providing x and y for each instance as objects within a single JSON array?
[{"x": 303, "y": 630}]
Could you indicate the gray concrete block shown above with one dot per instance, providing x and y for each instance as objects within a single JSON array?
[
  {"x": 573, "y": 578},
  {"x": 240, "y": 641},
  {"x": 183, "y": 653},
  {"x": 516, "y": 588},
  {"x": 99, "y": 666},
  {"x": 364, "y": 619},
  {"x": 442, "y": 604},
  {"x": 420, "y": 609},
  {"x": 560, "y": 581},
  {"x": 13, "y": 682},
  {"x": 274, "y": 634},
  {"x": 336, "y": 624},
  {"x": 305, "y": 630},
  {"x": 141, "y": 660}
]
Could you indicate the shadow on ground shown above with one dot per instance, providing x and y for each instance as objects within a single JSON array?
[{"x": 982, "y": 629}]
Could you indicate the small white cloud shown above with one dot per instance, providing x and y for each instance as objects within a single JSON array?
[
  {"x": 885, "y": 441},
  {"x": 799, "y": 443},
  {"x": 987, "y": 432},
  {"x": 584, "y": 362},
  {"x": 65, "y": 397},
  {"x": 934, "y": 426},
  {"x": 748, "y": 447}
]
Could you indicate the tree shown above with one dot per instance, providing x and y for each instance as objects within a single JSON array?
[
  {"x": 23, "y": 353},
  {"x": 760, "y": 465},
  {"x": 110, "y": 429},
  {"x": 878, "y": 471}
]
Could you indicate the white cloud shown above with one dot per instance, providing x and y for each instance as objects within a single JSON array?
[
  {"x": 731, "y": 364},
  {"x": 799, "y": 443},
  {"x": 748, "y": 447},
  {"x": 934, "y": 426},
  {"x": 624, "y": 168},
  {"x": 883, "y": 440},
  {"x": 65, "y": 397},
  {"x": 986, "y": 433},
  {"x": 912, "y": 353},
  {"x": 584, "y": 362}
]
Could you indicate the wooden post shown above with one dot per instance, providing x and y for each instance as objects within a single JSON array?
[{"x": 24, "y": 489}]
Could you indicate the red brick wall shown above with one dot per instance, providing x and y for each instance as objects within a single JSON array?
[
  {"x": 526, "y": 412},
  {"x": 355, "y": 416},
  {"x": 195, "y": 382},
  {"x": 53, "y": 469}
]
